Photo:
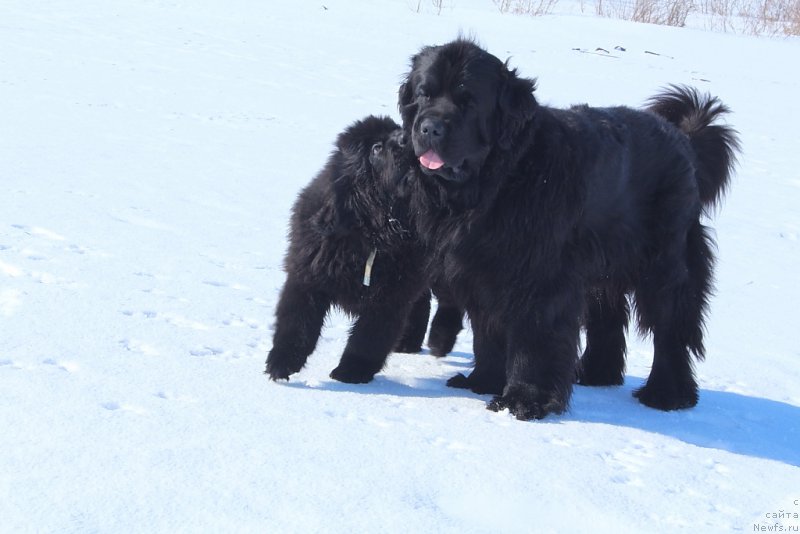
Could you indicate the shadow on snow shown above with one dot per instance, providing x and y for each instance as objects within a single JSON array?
[
  {"x": 727, "y": 421},
  {"x": 722, "y": 420}
]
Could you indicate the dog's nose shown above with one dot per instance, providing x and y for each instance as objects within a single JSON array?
[
  {"x": 433, "y": 128},
  {"x": 399, "y": 138}
]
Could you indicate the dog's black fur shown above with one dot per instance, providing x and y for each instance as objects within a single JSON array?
[
  {"x": 544, "y": 220},
  {"x": 352, "y": 207}
]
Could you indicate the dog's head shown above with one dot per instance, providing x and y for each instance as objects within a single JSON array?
[
  {"x": 459, "y": 103},
  {"x": 372, "y": 149},
  {"x": 367, "y": 172},
  {"x": 390, "y": 161}
]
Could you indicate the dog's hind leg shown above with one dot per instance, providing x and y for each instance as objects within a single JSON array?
[
  {"x": 603, "y": 361},
  {"x": 446, "y": 324},
  {"x": 673, "y": 306},
  {"x": 489, "y": 373},
  {"x": 299, "y": 317},
  {"x": 415, "y": 325}
]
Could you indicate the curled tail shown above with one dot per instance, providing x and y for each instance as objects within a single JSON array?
[{"x": 715, "y": 145}]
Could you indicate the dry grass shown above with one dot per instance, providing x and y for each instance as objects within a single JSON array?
[
  {"x": 772, "y": 17},
  {"x": 792, "y": 26},
  {"x": 526, "y": 7},
  {"x": 437, "y": 5},
  {"x": 754, "y": 17},
  {"x": 669, "y": 12}
]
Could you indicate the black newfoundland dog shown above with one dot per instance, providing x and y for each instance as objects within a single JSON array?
[
  {"x": 350, "y": 246},
  {"x": 544, "y": 220}
]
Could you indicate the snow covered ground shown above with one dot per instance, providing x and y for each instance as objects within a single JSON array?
[{"x": 150, "y": 152}]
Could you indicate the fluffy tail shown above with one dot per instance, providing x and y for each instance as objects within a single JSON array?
[{"x": 715, "y": 145}]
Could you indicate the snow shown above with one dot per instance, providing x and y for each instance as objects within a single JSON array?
[{"x": 150, "y": 152}]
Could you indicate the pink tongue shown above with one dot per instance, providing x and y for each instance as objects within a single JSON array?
[{"x": 431, "y": 160}]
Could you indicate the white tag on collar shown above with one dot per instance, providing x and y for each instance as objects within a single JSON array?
[{"x": 368, "y": 267}]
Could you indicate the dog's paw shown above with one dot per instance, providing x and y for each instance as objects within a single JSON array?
[
  {"x": 441, "y": 341},
  {"x": 280, "y": 366},
  {"x": 600, "y": 371},
  {"x": 459, "y": 381},
  {"x": 667, "y": 398},
  {"x": 588, "y": 376},
  {"x": 352, "y": 373},
  {"x": 407, "y": 347},
  {"x": 527, "y": 402},
  {"x": 483, "y": 385}
]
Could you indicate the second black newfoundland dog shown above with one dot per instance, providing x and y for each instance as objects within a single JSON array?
[
  {"x": 350, "y": 245},
  {"x": 544, "y": 220}
]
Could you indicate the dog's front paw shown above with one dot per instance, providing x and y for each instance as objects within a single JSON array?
[
  {"x": 459, "y": 381},
  {"x": 527, "y": 402},
  {"x": 352, "y": 372},
  {"x": 281, "y": 365},
  {"x": 478, "y": 384},
  {"x": 408, "y": 347}
]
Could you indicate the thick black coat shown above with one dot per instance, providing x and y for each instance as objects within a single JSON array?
[{"x": 543, "y": 220}]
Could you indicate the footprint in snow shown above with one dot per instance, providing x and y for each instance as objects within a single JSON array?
[
  {"x": 40, "y": 232},
  {"x": 139, "y": 347},
  {"x": 114, "y": 406},
  {"x": 63, "y": 365},
  {"x": 220, "y": 284},
  {"x": 170, "y": 396}
]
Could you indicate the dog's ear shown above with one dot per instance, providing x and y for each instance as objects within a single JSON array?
[
  {"x": 404, "y": 93},
  {"x": 325, "y": 221},
  {"x": 405, "y": 101},
  {"x": 336, "y": 217},
  {"x": 517, "y": 106}
]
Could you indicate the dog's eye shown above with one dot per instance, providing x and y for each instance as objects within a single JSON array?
[
  {"x": 377, "y": 148},
  {"x": 463, "y": 95}
]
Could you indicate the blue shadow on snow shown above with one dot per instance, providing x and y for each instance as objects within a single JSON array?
[
  {"x": 722, "y": 420},
  {"x": 727, "y": 421}
]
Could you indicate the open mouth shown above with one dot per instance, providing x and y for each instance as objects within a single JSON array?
[
  {"x": 431, "y": 160},
  {"x": 433, "y": 165}
]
